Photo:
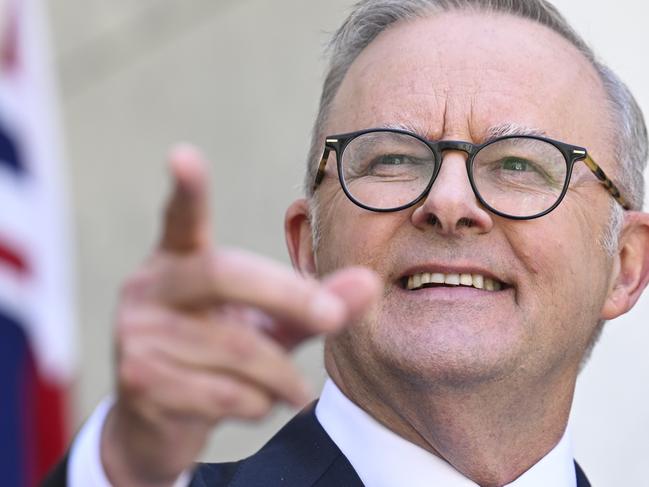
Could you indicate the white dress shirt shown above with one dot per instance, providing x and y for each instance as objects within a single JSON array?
[
  {"x": 380, "y": 457},
  {"x": 84, "y": 463}
]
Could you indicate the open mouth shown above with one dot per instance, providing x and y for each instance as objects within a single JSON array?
[{"x": 437, "y": 279}]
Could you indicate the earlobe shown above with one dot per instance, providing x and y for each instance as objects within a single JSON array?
[
  {"x": 299, "y": 236},
  {"x": 631, "y": 272}
]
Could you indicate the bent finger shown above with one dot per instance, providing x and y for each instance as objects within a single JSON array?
[
  {"x": 219, "y": 345},
  {"x": 197, "y": 393}
]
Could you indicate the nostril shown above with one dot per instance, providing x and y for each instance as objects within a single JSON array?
[
  {"x": 433, "y": 220},
  {"x": 462, "y": 222},
  {"x": 465, "y": 222}
]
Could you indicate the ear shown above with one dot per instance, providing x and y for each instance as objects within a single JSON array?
[
  {"x": 631, "y": 269},
  {"x": 299, "y": 236}
]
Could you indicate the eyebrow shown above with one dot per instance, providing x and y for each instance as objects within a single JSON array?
[
  {"x": 508, "y": 129},
  {"x": 501, "y": 130},
  {"x": 407, "y": 126}
]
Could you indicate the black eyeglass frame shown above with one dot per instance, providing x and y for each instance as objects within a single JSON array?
[{"x": 571, "y": 154}]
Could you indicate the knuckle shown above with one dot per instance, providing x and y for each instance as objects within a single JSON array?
[
  {"x": 221, "y": 263},
  {"x": 239, "y": 342},
  {"x": 133, "y": 375},
  {"x": 225, "y": 397},
  {"x": 310, "y": 291},
  {"x": 136, "y": 287},
  {"x": 130, "y": 324},
  {"x": 128, "y": 320},
  {"x": 137, "y": 322},
  {"x": 229, "y": 267},
  {"x": 257, "y": 408},
  {"x": 125, "y": 328},
  {"x": 165, "y": 321},
  {"x": 296, "y": 295}
]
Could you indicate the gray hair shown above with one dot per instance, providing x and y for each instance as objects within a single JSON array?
[{"x": 371, "y": 17}]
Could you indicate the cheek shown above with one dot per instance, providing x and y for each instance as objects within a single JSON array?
[
  {"x": 541, "y": 252},
  {"x": 350, "y": 236},
  {"x": 554, "y": 252},
  {"x": 564, "y": 284}
]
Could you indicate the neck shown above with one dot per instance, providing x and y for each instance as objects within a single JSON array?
[{"x": 492, "y": 433}]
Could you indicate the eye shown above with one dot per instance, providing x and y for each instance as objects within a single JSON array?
[
  {"x": 521, "y": 170},
  {"x": 395, "y": 159},
  {"x": 397, "y": 165},
  {"x": 517, "y": 165}
]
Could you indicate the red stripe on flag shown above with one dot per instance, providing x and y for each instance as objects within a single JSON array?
[
  {"x": 44, "y": 424},
  {"x": 9, "y": 53},
  {"x": 13, "y": 259},
  {"x": 51, "y": 426}
]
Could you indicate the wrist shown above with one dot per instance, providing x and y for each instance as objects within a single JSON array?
[{"x": 139, "y": 452}]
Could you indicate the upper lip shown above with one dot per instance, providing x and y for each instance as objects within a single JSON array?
[{"x": 451, "y": 269}]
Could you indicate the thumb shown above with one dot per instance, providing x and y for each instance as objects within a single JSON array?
[{"x": 358, "y": 288}]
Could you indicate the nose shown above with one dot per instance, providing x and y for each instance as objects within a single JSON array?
[{"x": 451, "y": 207}]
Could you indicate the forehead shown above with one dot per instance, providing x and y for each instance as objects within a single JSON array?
[{"x": 458, "y": 74}]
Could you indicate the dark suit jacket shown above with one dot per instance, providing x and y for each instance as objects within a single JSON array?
[{"x": 301, "y": 454}]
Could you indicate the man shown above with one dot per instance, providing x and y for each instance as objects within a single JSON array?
[{"x": 488, "y": 173}]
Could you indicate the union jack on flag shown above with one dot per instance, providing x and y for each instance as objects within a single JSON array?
[{"x": 37, "y": 344}]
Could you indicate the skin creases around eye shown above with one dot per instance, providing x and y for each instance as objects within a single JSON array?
[
  {"x": 523, "y": 171},
  {"x": 399, "y": 165},
  {"x": 388, "y": 179},
  {"x": 386, "y": 154},
  {"x": 392, "y": 160}
]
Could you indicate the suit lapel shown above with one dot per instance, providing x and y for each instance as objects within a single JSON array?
[
  {"x": 582, "y": 481},
  {"x": 300, "y": 454}
]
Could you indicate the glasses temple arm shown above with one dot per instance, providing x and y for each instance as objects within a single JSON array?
[
  {"x": 319, "y": 175},
  {"x": 606, "y": 182}
]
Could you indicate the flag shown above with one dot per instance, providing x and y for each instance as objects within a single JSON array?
[{"x": 37, "y": 347}]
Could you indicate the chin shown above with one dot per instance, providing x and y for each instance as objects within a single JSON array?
[
  {"x": 434, "y": 355},
  {"x": 450, "y": 367}
]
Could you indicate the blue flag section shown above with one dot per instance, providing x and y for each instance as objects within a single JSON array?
[
  {"x": 9, "y": 153},
  {"x": 14, "y": 409}
]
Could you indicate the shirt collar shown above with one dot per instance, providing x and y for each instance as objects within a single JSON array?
[{"x": 381, "y": 458}]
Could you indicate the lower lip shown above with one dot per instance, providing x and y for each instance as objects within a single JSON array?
[{"x": 454, "y": 293}]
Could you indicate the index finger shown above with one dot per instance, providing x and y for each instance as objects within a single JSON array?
[{"x": 186, "y": 223}]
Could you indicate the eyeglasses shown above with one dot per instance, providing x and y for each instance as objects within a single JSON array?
[{"x": 519, "y": 176}]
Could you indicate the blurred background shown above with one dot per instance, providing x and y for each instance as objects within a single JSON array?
[{"x": 241, "y": 79}]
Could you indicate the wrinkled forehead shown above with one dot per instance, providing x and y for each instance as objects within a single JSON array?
[{"x": 459, "y": 74}]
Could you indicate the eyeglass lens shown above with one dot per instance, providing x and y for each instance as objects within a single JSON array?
[{"x": 517, "y": 176}]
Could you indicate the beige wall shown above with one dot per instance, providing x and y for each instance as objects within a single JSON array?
[{"x": 241, "y": 78}]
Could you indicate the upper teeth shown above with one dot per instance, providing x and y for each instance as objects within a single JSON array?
[{"x": 474, "y": 280}]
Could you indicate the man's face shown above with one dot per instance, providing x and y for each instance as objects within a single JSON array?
[{"x": 456, "y": 76}]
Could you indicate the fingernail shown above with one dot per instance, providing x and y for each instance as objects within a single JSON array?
[
  {"x": 184, "y": 150},
  {"x": 326, "y": 308}
]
